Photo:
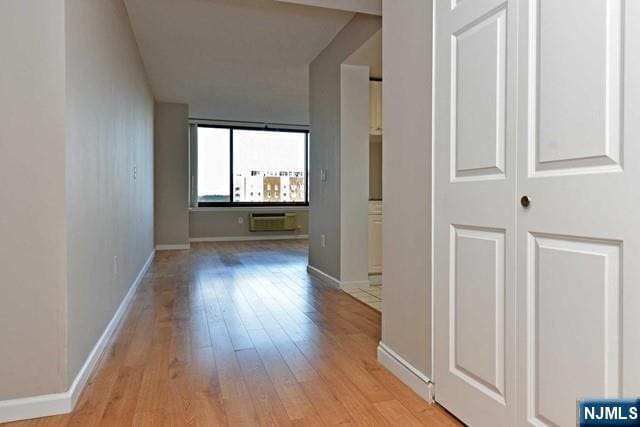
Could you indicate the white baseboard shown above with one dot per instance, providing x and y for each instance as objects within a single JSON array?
[
  {"x": 63, "y": 403},
  {"x": 94, "y": 357},
  {"x": 356, "y": 284},
  {"x": 407, "y": 373},
  {"x": 324, "y": 277},
  {"x": 35, "y": 407},
  {"x": 249, "y": 238},
  {"x": 173, "y": 247},
  {"x": 333, "y": 282}
]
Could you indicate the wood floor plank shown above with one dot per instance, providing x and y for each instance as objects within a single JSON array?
[
  {"x": 397, "y": 414},
  {"x": 331, "y": 410},
  {"x": 235, "y": 394},
  {"x": 269, "y": 407},
  {"x": 238, "y": 334},
  {"x": 290, "y": 392},
  {"x": 359, "y": 407}
]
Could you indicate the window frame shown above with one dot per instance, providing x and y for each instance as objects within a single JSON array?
[{"x": 193, "y": 163}]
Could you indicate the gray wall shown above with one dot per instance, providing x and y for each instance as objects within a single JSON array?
[
  {"x": 79, "y": 116},
  {"x": 109, "y": 130},
  {"x": 32, "y": 195},
  {"x": 406, "y": 319},
  {"x": 225, "y": 223},
  {"x": 171, "y": 160},
  {"x": 324, "y": 109},
  {"x": 174, "y": 222},
  {"x": 354, "y": 174}
]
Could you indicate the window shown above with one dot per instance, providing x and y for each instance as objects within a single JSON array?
[
  {"x": 213, "y": 165},
  {"x": 250, "y": 167}
]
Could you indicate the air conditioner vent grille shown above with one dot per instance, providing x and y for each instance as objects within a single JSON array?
[{"x": 276, "y": 221}]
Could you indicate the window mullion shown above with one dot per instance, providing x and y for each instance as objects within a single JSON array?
[{"x": 193, "y": 165}]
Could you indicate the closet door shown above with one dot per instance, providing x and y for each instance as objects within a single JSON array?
[
  {"x": 579, "y": 238},
  {"x": 475, "y": 209}
]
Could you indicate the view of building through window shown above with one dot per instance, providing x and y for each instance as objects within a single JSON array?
[{"x": 267, "y": 166}]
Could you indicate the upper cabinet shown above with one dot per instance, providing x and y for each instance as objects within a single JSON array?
[{"x": 375, "y": 108}]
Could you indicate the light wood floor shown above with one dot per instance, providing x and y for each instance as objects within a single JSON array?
[{"x": 238, "y": 334}]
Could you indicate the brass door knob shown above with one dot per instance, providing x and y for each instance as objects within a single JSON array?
[{"x": 525, "y": 201}]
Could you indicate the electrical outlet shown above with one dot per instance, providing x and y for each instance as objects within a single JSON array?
[
  {"x": 240, "y": 220},
  {"x": 135, "y": 172},
  {"x": 323, "y": 175},
  {"x": 323, "y": 240}
]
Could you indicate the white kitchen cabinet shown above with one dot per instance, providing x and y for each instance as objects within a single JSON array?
[
  {"x": 375, "y": 108},
  {"x": 375, "y": 237}
]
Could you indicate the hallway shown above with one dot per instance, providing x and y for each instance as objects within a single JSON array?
[{"x": 238, "y": 334}]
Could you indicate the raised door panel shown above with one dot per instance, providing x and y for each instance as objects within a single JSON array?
[
  {"x": 477, "y": 308},
  {"x": 574, "y": 316},
  {"x": 478, "y": 98},
  {"x": 575, "y": 75}
]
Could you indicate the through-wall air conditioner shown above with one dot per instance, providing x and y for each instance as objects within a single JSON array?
[{"x": 272, "y": 221}]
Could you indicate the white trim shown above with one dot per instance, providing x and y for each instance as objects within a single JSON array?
[
  {"x": 355, "y": 284},
  {"x": 63, "y": 403},
  {"x": 331, "y": 281},
  {"x": 35, "y": 407},
  {"x": 323, "y": 277},
  {"x": 407, "y": 373},
  {"x": 243, "y": 209},
  {"x": 375, "y": 279},
  {"x": 94, "y": 357},
  {"x": 173, "y": 247},
  {"x": 249, "y": 238}
]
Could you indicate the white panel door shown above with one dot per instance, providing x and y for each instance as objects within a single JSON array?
[
  {"x": 578, "y": 309},
  {"x": 475, "y": 209}
]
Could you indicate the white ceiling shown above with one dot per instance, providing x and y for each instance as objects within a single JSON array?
[{"x": 233, "y": 59}]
